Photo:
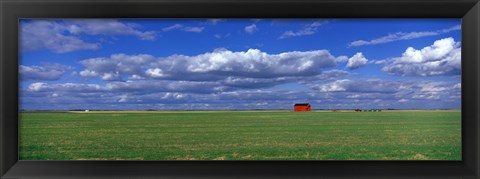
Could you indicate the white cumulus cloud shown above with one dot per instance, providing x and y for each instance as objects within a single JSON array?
[
  {"x": 88, "y": 73},
  {"x": 222, "y": 63},
  {"x": 356, "y": 61},
  {"x": 211, "y": 66},
  {"x": 441, "y": 58},
  {"x": 116, "y": 66}
]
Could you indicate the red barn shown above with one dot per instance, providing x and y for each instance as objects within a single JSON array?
[{"x": 302, "y": 107}]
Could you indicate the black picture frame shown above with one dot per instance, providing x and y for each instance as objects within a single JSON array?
[{"x": 12, "y": 10}]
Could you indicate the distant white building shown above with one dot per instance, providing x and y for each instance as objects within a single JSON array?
[{"x": 87, "y": 110}]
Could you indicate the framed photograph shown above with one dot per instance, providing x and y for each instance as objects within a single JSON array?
[{"x": 245, "y": 89}]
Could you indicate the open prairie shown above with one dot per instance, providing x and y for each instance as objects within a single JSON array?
[{"x": 240, "y": 135}]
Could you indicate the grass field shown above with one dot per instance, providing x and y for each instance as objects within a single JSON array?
[{"x": 241, "y": 135}]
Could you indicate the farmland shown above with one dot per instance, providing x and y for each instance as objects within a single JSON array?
[{"x": 240, "y": 135}]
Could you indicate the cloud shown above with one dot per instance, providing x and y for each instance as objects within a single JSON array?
[
  {"x": 341, "y": 59},
  {"x": 378, "y": 93},
  {"x": 251, "y": 28},
  {"x": 107, "y": 27},
  {"x": 219, "y": 36},
  {"x": 433, "y": 87},
  {"x": 65, "y": 36},
  {"x": 183, "y": 28},
  {"x": 39, "y": 35},
  {"x": 379, "y": 62},
  {"x": 389, "y": 89},
  {"x": 403, "y": 36},
  {"x": 440, "y": 59},
  {"x": 88, "y": 73},
  {"x": 371, "y": 85},
  {"x": 259, "y": 83},
  {"x": 116, "y": 66},
  {"x": 309, "y": 29},
  {"x": 457, "y": 86},
  {"x": 71, "y": 87},
  {"x": 403, "y": 100},
  {"x": 149, "y": 94},
  {"x": 111, "y": 76},
  {"x": 48, "y": 72},
  {"x": 137, "y": 87},
  {"x": 216, "y": 21},
  {"x": 329, "y": 75},
  {"x": 254, "y": 83},
  {"x": 356, "y": 61},
  {"x": 173, "y": 27},
  {"x": 131, "y": 100},
  {"x": 145, "y": 81},
  {"x": 252, "y": 63},
  {"x": 212, "y": 66},
  {"x": 303, "y": 32},
  {"x": 193, "y": 29},
  {"x": 324, "y": 77}
]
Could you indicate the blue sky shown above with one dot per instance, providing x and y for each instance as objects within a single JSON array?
[{"x": 198, "y": 64}]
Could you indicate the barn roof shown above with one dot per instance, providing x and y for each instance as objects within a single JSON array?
[{"x": 302, "y": 104}]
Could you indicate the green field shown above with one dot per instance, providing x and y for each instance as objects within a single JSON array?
[{"x": 240, "y": 135}]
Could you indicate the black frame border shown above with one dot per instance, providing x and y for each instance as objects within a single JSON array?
[{"x": 12, "y": 10}]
